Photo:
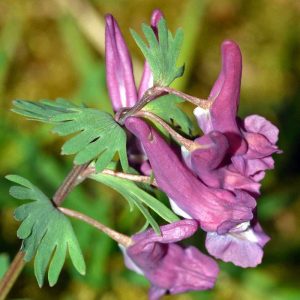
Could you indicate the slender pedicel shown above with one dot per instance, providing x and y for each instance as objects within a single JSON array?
[
  {"x": 188, "y": 144},
  {"x": 203, "y": 103},
  {"x": 133, "y": 177},
  {"x": 117, "y": 236},
  {"x": 156, "y": 92}
]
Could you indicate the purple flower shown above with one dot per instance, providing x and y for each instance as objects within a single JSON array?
[
  {"x": 211, "y": 167},
  {"x": 261, "y": 137},
  {"x": 240, "y": 153},
  {"x": 216, "y": 209},
  {"x": 242, "y": 245},
  {"x": 251, "y": 141},
  {"x": 119, "y": 71},
  {"x": 120, "y": 81},
  {"x": 169, "y": 267}
]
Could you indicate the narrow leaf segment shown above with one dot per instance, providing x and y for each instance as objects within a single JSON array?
[
  {"x": 161, "y": 52},
  {"x": 139, "y": 198},
  {"x": 45, "y": 231},
  {"x": 98, "y": 137}
]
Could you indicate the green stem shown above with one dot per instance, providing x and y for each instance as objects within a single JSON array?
[
  {"x": 11, "y": 275},
  {"x": 132, "y": 177},
  {"x": 203, "y": 103},
  {"x": 188, "y": 144},
  {"x": 117, "y": 236},
  {"x": 154, "y": 93}
]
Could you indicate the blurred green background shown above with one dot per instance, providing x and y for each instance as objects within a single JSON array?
[{"x": 55, "y": 48}]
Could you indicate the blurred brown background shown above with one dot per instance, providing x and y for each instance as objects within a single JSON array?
[{"x": 55, "y": 48}]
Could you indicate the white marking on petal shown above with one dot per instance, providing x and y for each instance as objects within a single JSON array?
[
  {"x": 178, "y": 211},
  {"x": 186, "y": 155},
  {"x": 244, "y": 231},
  {"x": 130, "y": 264},
  {"x": 204, "y": 119},
  {"x": 123, "y": 95},
  {"x": 241, "y": 227}
]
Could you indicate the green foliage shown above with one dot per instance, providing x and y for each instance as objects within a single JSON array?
[
  {"x": 4, "y": 263},
  {"x": 162, "y": 53},
  {"x": 45, "y": 231},
  {"x": 99, "y": 136},
  {"x": 166, "y": 108},
  {"x": 138, "y": 197}
]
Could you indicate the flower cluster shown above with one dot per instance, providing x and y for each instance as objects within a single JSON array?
[{"x": 215, "y": 185}]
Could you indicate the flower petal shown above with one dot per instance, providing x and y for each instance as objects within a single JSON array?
[
  {"x": 243, "y": 248},
  {"x": 169, "y": 267},
  {"x": 258, "y": 124},
  {"x": 147, "y": 78},
  {"x": 225, "y": 95},
  {"x": 210, "y": 206},
  {"x": 119, "y": 73}
]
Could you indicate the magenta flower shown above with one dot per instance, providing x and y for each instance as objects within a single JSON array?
[
  {"x": 242, "y": 245},
  {"x": 240, "y": 153},
  {"x": 211, "y": 167},
  {"x": 120, "y": 81},
  {"x": 252, "y": 141},
  {"x": 169, "y": 267},
  {"x": 119, "y": 71},
  {"x": 216, "y": 209}
]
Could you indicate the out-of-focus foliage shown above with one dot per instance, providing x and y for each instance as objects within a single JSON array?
[
  {"x": 4, "y": 264},
  {"x": 51, "y": 49}
]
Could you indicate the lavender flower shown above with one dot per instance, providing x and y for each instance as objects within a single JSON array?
[
  {"x": 119, "y": 72},
  {"x": 169, "y": 267},
  {"x": 240, "y": 153},
  {"x": 216, "y": 209},
  {"x": 120, "y": 81},
  {"x": 252, "y": 141},
  {"x": 242, "y": 245}
]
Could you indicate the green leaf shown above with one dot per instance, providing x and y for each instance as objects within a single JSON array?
[
  {"x": 138, "y": 197},
  {"x": 166, "y": 108},
  {"x": 45, "y": 231},
  {"x": 162, "y": 52},
  {"x": 4, "y": 264},
  {"x": 98, "y": 137}
]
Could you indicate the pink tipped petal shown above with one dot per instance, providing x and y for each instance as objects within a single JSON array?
[
  {"x": 119, "y": 73},
  {"x": 225, "y": 95},
  {"x": 252, "y": 167},
  {"x": 210, "y": 206},
  {"x": 156, "y": 16},
  {"x": 211, "y": 167},
  {"x": 258, "y": 146},
  {"x": 258, "y": 124},
  {"x": 147, "y": 78},
  {"x": 241, "y": 246}
]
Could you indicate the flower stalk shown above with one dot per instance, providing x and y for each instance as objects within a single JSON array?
[
  {"x": 188, "y": 144},
  {"x": 116, "y": 236},
  {"x": 154, "y": 93}
]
